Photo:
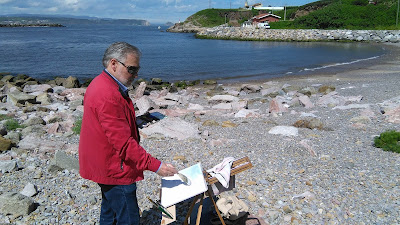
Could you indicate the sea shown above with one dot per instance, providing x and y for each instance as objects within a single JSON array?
[{"x": 77, "y": 50}]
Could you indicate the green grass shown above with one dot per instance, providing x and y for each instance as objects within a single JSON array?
[
  {"x": 12, "y": 124},
  {"x": 388, "y": 141},
  {"x": 216, "y": 17},
  {"x": 77, "y": 126}
]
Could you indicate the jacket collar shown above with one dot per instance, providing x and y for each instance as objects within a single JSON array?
[{"x": 121, "y": 88}]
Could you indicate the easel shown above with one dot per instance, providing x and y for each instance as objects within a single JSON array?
[{"x": 238, "y": 166}]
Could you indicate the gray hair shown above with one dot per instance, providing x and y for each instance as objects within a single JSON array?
[{"x": 119, "y": 51}]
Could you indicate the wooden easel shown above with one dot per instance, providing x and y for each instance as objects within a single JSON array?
[{"x": 238, "y": 166}]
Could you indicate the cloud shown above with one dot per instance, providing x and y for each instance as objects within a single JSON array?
[
  {"x": 71, "y": 4},
  {"x": 4, "y": 1},
  {"x": 52, "y": 9}
]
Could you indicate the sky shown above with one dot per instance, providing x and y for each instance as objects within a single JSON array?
[{"x": 154, "y": 11}]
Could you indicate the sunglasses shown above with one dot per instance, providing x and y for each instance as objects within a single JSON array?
[{"x": 131, "y": 69}]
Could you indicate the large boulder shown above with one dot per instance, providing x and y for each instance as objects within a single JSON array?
[
  {"x": 71, "y": 82},
  {"x": 16, "y": 204},
  {"x": 173, "y": 127},
  {"x": 65, "y": 161},
  {"x": 37, "y": 88},
  {"x": 16, "y": 97},
  {"x": 8, "y": 166},
  {"x": 5, "y": 144}
]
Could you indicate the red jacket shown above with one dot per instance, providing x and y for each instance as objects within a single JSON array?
[{"x": 109, "y": 152}]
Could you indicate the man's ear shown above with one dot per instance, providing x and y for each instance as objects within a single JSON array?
[{"x": 113, "y": 65}]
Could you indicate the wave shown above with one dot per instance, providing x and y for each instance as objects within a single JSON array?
[{"x": 339, "y": 64}]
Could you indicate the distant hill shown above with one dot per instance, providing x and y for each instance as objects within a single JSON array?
[
  {"x": 27, "y": 19},
  {"x": 324, "y": 14}
]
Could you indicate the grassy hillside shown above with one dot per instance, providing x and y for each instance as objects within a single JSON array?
[
  {"x": 216, "y": 17},
  {"x": 351, "y": 14},
  {"x": 324, "y": 14}
]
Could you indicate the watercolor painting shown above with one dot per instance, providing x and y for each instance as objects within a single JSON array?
[{"x": 174, "y": 190}]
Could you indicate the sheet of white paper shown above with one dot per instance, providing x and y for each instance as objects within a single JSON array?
[{"x": 173, "y": 190}]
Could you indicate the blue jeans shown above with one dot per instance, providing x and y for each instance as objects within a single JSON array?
[{"x": 119, "y": 205}]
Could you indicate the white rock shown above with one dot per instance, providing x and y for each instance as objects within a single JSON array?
[
  {"x": 352, "y": 106},
  {"x": 173, "y": 127},
  {"x": 284, "y": 130},
  {"x": 36, "y": 88},
  {"x": 144, "y": 104},
  {"x": 244, "y": 113},
  {"x": 223, "y": 98},
  {"x": 223, "y": 106},
  {"x": 305, "y": 100},
  {"x": 195, "y": 107},
  {"x": 29, "y": 190}
]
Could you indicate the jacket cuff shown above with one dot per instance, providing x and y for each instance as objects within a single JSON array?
[{"x": 155, "y": 166}]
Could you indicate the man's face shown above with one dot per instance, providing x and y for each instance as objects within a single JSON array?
[{"x": 124, "y": 76}]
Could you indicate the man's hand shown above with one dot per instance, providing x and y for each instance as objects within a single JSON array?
[{"x": 167, "y": 170}]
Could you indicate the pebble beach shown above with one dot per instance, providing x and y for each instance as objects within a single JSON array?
[{"x": 312, "y": 149}]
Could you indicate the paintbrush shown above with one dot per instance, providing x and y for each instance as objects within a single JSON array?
[{"x": 184, "y": 179}]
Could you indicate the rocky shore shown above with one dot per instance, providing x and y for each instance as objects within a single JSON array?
[
  {"x": 309, "y": 138},
  {"x": 242, "y": 33},
  {"x": 251, "y": 33}
]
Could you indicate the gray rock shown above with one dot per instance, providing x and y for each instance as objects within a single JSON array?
[
  {"x": 308, "y": 91},
  {"x": 8, "y": 78},
  {"x": 271, "y": 92},
  {"x": 58, "y": 89},
  {"x": 223, "y": 99},
  {"x": 65, "y": 161},
  {"x": 75, "y": 103},
  {"x": 16, "y": 204},
  {"x": 34, "y": 121},
  {"x": 8, "y": 166},
  {"x": 310, "y": 123},
  {"x": 16, "y": 97},
  {"x": 31, "y": 141},
  {"x": 44, "y": 99},
  {"x": 71, "y": 82},
  {"x": 13, "y": 136},
  {"x": 250, "y": 88}
]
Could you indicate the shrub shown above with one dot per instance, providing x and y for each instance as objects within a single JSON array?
[
  {"x": 12, "y": 124},
  {"x": 388, "y": 141},
  {"x": 77, "y": 126}
]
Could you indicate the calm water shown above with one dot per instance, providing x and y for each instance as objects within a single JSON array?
[{"x": 46, "y": 52}]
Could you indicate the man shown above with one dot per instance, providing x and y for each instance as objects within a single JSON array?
[{"x": 109, "y": 150}]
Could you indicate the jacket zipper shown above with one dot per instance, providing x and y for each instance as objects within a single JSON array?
[{"x": 122, "y": 164}]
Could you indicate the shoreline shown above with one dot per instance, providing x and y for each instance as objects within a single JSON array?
[{"x": 390, "y": 57}]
